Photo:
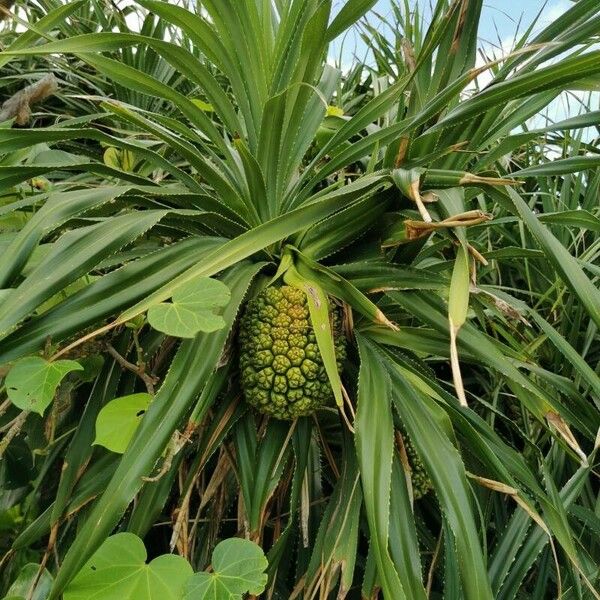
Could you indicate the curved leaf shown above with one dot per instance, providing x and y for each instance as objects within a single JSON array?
[
  {"x": 32, "y": 381},
  {"x": 118, "y": 421},
  {"x": 238, "y": 568},
  {"x": 191, "y": 309},
  {"x": 118, "y": 571}
]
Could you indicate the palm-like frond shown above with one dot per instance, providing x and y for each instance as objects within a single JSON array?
[{"x": 225, "y": 145}]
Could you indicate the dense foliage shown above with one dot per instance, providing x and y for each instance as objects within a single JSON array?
[{"x": 161, "y": 182}]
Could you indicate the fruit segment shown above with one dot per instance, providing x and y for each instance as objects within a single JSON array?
[{"x": 281, "y": 368}]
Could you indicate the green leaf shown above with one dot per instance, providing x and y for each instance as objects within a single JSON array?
[
  {"x": 261, "y": 237},
  {"x": 80, "y": 448},
  {"x": 238, "y": 568},
  {"x": 573, "y": 164},
  {"x": 260, "y": 466},
  {"x": 335, "y": 546},
  {"x": 192, "y": 309},
  {"x": 58, "y": 208},
  {"x": 430, "y": 430},
  {"x": 46, "y": 23},
  {"x": 458, "y": 303},
  {"x": 32, "y": 381},
  {"x": 118, "y": 421},
  {"x": 109, "y": 294},
  {"x": 72, "y": 256},
  {"x": 21, "y": 587},
  {"x": 563, "y": 261},
  {"x": 556, "y": 76},
  {"x": 458, "y": 306},
  {"x": 349, "y": 15},
  {"x": 118, "y": 571},
  {"x": 190, "y": 369},
  {"x": 318, "y": 305},
  {"x": 572, "y": 218},
  {"x": 205, "y": 106},
  {"x": 374, "y": 440}
]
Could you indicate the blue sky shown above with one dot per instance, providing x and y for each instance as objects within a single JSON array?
[
  {"x": 499, "y": 24},
  {"x": 503, "y": 15}
]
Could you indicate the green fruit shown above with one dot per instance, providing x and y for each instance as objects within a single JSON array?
[
  {"x": 421, "y": 483},
  {"x": 281, "y": 368}
]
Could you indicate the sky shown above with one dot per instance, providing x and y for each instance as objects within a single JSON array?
[
  {"x": 505, "y": 14},
  {"x": 501, "y": 19}
]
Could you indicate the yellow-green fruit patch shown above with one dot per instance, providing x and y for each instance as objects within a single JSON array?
[{"x": 281, "y": 368}]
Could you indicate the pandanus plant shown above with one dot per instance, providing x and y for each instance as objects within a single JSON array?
[{"x": 345, "y": 219}]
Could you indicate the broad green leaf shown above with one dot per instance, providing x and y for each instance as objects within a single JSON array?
[
  {"x": 238, "y": 568},
  {"x": 191, "y": 309},
  {"x": 118, "y": 420},
  {"x": 32, "y": 381},
  {"x": 118, "y": 571}
]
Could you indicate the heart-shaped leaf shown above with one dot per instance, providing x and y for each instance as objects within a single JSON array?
[
  {"x": 118, "y": 571},
  {"x": 238, "y": 568},
  {"x": 32, "y": 381},
  {"x": 117, "y": 421},
  {"x": 191, "y": 309}
]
